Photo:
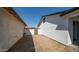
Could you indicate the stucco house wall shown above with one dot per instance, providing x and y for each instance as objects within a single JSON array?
[
  {"x": 56, "y": 28},
  {"x": 60, "y": 28},
  {"x": 73, "y": 16},
  {"x": 11, "y": 30}
]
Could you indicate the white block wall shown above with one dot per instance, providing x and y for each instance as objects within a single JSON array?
[{"x": 56, "y": 28}]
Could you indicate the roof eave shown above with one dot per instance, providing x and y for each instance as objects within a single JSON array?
[
  {"x": 13, "y": 12},
  {"x": 69, "y": 11}
]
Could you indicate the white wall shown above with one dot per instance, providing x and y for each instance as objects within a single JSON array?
[
  {"x": 70, "y": 26},
  {"x": 56, "y": 27},
  {"x": 73, "y": 16},
  {"x": 60, "y": 28},
  {"x": 39, "y": 32}
]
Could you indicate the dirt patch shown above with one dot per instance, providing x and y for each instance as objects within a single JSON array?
[{"x": 39, "y": 43}]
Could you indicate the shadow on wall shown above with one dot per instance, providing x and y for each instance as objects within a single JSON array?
[
  {"x": 57, "y": 31},
  {"x": 60, "y": 26},
  {"x": 74, "y": 29},
  {"x": 25, "y": 44}
]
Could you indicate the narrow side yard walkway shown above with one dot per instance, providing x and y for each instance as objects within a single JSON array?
[
  {"x": 39, "y": 43},
  {"x": 43, "y": 43},
  {"x": 25, "y": 44}
]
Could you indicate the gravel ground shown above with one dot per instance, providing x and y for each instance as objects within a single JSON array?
[{"x": 39, "y": 43}]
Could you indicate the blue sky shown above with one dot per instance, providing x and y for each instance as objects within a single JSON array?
[{"x": 32, "y": 15}]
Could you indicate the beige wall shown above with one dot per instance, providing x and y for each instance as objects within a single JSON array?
[
  {"x": 11, "y": 30},
  {"x": 29, "y": 31}
]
